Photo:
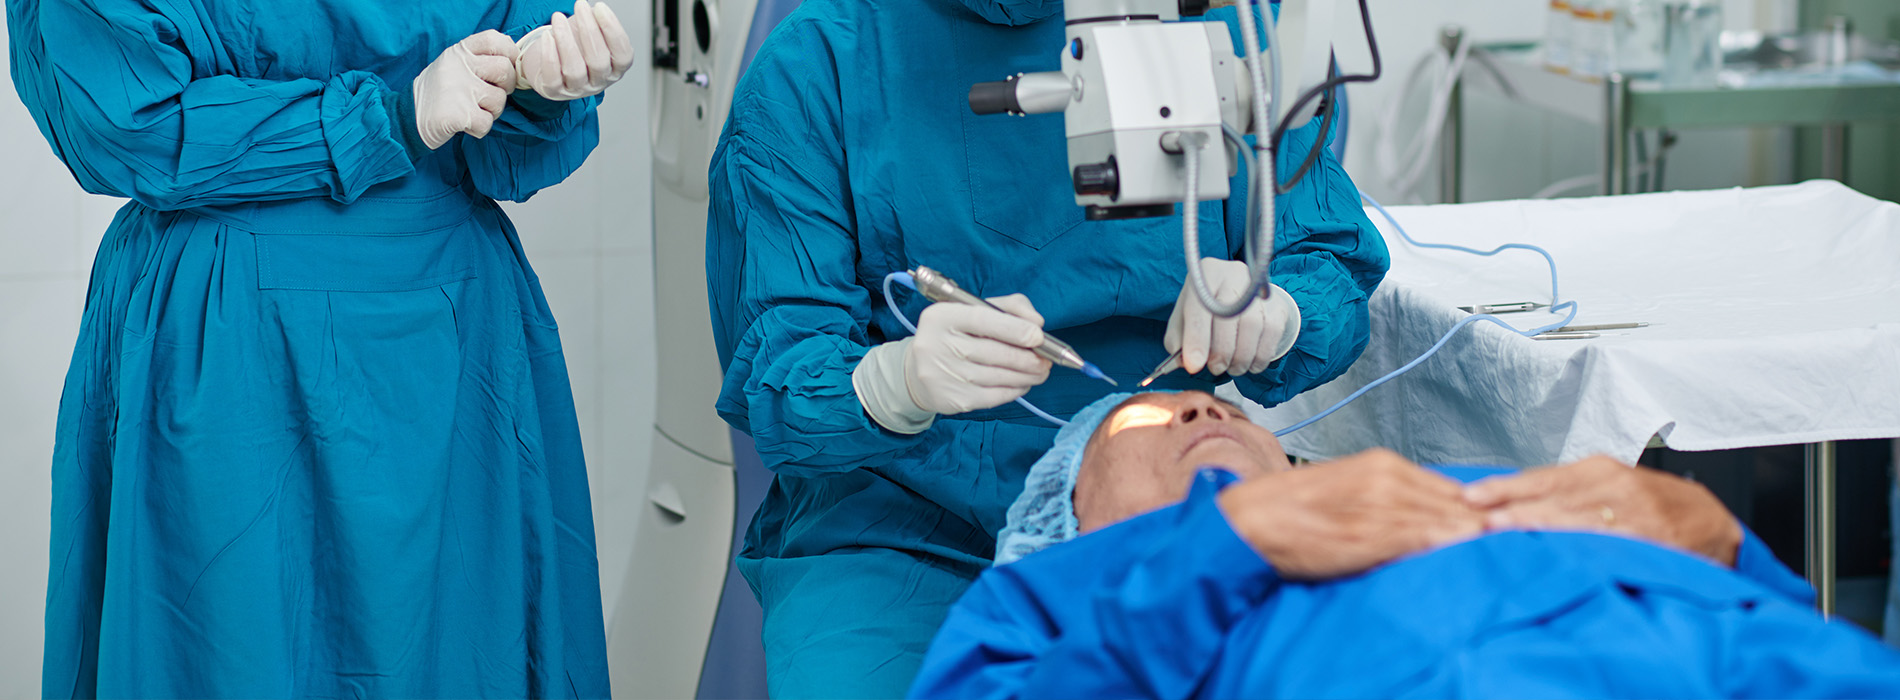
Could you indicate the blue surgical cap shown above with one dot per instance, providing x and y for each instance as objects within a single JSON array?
[{"x": 1044, "y": 514}]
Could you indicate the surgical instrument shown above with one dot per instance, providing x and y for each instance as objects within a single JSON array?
[
  {"x": 904, "y": 277},
  {"x": 1169, "y": 365},
  {"x": 1561, "y": 335},
  {"x": 1602, "y": 327},
  {"x": 1510, "y": 308},
  {"x": 937, "y": 287}
]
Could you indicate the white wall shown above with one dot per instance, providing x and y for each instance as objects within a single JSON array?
[
  {"x": 590, "y": 240},
  {"x": 48, "y": 231},
  {"x": 1513, "y": 150}
]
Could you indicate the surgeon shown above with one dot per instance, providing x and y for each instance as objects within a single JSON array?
[
  {"x": 317, "y": 438},
  {"x": 850, "y": 152}
]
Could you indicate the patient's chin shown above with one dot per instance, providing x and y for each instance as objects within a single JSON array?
[{"x": 1232, "y": 455}]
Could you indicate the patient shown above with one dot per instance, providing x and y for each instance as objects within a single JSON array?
[{"x": 1213, "y": 569}]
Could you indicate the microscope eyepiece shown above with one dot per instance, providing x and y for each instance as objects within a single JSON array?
[{"x": 995, "y": 97}]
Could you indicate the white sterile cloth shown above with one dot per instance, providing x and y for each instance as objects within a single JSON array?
[{"x": 1774, "y": 319}]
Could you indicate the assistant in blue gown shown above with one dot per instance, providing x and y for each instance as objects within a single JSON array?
[
  {"x": 1174, "y": 604},
  {"x": 851, "y": 152},
  {"x": 317, "y": 438}
]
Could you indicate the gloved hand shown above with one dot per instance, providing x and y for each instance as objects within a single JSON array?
[
  {"x": 465, "y": 88},
  {"x": 572, "y": 58},
  {"x": 1235, "y": 346},
  {"x": 963, "y": 358}
]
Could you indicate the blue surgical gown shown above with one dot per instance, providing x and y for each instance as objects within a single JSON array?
[
  {"x": 317, "y": 438},
  {"x": 1174, "y": 604},
  {"x": 851, "y": 152}
]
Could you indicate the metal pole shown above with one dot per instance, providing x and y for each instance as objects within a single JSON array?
[
  {"x": 1451, "y": 167},
  {"x": 1616, "y": 134},
  {"x": 1834, "y": 136},
  {"x": 1819, "y": 470},
  {"x": 1834, "y": 152}
]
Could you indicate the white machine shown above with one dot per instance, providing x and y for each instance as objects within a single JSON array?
[
  {"x": 657, "y": 639},
  {"x": 1145, "y": 96}
]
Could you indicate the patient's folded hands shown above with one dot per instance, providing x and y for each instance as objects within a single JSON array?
[
  {"x": 1605, "y": 495},
  {"x": 1348, "y": 515}
]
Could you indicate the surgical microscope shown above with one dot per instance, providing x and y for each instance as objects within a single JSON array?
[{"x": 1144, "y": 98}]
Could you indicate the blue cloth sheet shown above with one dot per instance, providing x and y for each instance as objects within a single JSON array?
[
  {"x": 317, "y": 438},
  {"x": 851, "y": 152},
  {"x": 1174, "y": 604}
]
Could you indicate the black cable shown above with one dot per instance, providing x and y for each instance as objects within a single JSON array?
[
  {"x": 1378, "y": 68},
  {"x": 1327, "y": 108}
]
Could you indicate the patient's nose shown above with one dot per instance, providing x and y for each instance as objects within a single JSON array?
[{"x": 1199, "y": 407}]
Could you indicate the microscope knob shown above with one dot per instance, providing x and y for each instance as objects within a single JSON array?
[{"x": 1098, "y": 178}]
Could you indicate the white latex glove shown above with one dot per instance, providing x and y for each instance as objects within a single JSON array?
[
  {"x": 1234, "y": 346},
  {"x": 963, "y": 358},
  {"x": 575, "y": 57},
  {"x": 465, "y": 88}
]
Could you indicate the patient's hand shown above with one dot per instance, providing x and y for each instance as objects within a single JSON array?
[
  {"x": 1347, "y": 516},
  {"x": 1602, "y": 494}
]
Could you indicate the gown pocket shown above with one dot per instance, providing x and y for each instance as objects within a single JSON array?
[{"x": 1019, "y": 185}]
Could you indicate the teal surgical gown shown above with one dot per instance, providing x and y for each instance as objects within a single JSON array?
[
  {"x": 851, "y": 152},
  {"x": 1174, "y": 604},
  {"x": 317, "y": 438}
]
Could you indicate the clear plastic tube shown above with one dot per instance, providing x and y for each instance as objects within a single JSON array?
[
  {"x": 1258, "y": 240},
  {"x": 1556, "y": 306}
]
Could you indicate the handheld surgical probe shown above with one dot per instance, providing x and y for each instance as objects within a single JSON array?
[{"x": 936, "y": 287}]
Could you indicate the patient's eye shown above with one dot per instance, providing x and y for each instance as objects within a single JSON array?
[{"x": 1139, "y": 415}]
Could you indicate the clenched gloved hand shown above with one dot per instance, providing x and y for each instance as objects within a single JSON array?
[
  {"x": 465, "y": 89},
  {"x": 963, "y": 358},
  {"x": 575, "y": 57},
  {"x": 1234, "y": 346}
]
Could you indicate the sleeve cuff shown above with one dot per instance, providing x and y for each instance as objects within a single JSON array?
[
  {"x": 1755, "y": 561},
  {"x": 358, "y": 128},
  {"x": 535, "y": 107},
  {"x": 882, "y": 390},
  {"x": 1291, "y": 311},
  {"x": 401, "y": 106}
]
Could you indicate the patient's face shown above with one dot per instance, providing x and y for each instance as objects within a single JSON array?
[{"x": 1145, "y": 454}]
